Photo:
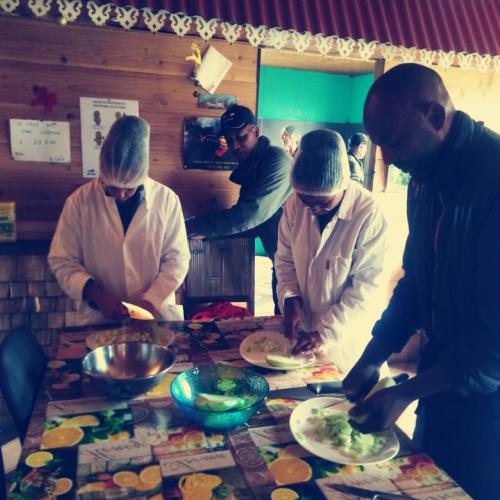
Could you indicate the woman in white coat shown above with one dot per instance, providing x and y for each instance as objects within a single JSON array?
[
  {"x": 330, "y": 254},
  {"x": 121, "y": 237}
]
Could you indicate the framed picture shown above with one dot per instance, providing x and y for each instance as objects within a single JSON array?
[
  {"x": 204, "y": 146},
  {"x": 208, "y": 101}
]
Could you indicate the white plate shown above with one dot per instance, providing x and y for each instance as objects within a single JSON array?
[
  {"x": 302, "y": 427},
  {"x": 283, "y": 348}
]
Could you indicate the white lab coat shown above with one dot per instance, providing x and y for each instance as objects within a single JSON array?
[
  {"x": 149, "y": 262},
  {"x": 337, "y": 273}
]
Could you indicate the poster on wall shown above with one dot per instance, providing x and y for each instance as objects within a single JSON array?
[
  {"x": 36, "y": 140},
  {"x": 97, "y": 116},
  {"x": 204, "y": 146}
]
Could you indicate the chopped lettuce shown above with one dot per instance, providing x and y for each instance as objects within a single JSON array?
[{"x": 333, "y": 426}]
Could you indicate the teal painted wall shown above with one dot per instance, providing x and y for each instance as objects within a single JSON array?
[
  {"x": 310, "y": 96},
  {"x": 359, "y": 89}
]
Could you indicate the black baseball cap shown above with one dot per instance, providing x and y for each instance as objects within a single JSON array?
[{"x": 236, "y": 117}]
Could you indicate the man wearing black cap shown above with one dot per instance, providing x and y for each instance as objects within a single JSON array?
[{"x": 263, "y": 172}]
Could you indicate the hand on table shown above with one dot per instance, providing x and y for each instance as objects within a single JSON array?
[
  {"x": 292, "y": 318},
  {"x": 196, "y": 237}
]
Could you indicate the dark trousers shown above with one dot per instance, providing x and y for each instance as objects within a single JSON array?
[{"x": 462, "y": 434}]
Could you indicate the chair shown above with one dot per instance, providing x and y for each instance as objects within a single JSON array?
[
  {"x": 22, "y": 365},
  {"x": 220, "y": 270}
]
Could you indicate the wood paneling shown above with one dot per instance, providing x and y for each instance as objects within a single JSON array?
[
  {"x": 85, "y": 61},
  {"x": 315, "y": 62}
]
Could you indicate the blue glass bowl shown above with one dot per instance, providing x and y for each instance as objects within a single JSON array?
[{"x": 224, "y": 380}]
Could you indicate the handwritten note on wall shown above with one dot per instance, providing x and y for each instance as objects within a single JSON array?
[{"x": 35, "y": 140}]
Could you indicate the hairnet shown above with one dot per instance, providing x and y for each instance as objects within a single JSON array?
[
  {"x": 124, "y": 159},
  {"x": 322, "y": 167}
]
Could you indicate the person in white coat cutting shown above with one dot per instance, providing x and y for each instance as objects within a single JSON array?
[
  {"x": 121, "y": 237},
  {"x": 330, "y": 254}
]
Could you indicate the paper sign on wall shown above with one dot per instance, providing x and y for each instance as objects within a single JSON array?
[
  {"x": 97, "y": 117},
  {"x": 35, "y": 140},
  {"x": 213, "y": 69}
]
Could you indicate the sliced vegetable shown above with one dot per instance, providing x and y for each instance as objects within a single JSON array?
[
  {"x": 218, "y": 402},
  {"x": 283, "y": 361}
]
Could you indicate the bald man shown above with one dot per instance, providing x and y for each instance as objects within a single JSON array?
[{"x": 451, "y": 285}]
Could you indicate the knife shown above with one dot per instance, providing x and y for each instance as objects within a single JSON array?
[
  {"x": 336, "y": 385},
  {"x": 332, "y": 388},
  {"x": 373, "y": 494}
]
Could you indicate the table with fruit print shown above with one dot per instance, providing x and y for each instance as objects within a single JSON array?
[{"x": 80, "y": 444}]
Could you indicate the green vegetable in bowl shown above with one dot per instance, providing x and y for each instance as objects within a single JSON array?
[
  {"x": 333, "y": 425},
  {"x": 226, "y": 385},
  {"x": 218, "y": 402}
]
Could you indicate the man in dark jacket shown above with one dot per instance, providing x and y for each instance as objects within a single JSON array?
[
  {"x": 451, "y": 285},
  {"x": 263, "y": 172},
  {"x": 356, "y": 151}
]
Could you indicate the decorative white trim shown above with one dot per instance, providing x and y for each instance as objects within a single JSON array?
[
  {"x": 426, "y": 56},
  {"x": 301, "y": 41},
  {"x": 70, "y": 9},
  {"x": 231, "y": 32},
  {"x": 153, "y": 21},
  {"x": 181, "y": 23},
  {"x": 345, "y": 46},
  {"x": 324, "y": 44},
  {"x": 126, "y": 16},
  {"x": 40, "y": 7},
  {"x": 483, "y": 63},
  {"x": 465, "y": 60},
  {"x": 278, "y": 38},
  {"x": 445, "y": 59},
  {"x": 408, "y": 54},
  {"x": 366, "y": 49},
  {"x": 389, "y": 51},
  {"x": 9, "y": 6},
  {"x": 496, "y": 63},
  {"x": 206, "y": 29},
  {"x": 255, "y": 36},
  {"x": 99, "y": 14}
]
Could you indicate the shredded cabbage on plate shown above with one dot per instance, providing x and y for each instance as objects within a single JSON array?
[
  {"x": 265, "y": 345},
  {"x": 333, "y": 425}
]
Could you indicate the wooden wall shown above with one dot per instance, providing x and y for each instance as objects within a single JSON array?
[{"x": 85, "y": 61}]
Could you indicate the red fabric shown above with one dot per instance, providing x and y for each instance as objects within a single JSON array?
[
  {"x": 459, "y": 25},
  {"x": 221, "y": 310}
]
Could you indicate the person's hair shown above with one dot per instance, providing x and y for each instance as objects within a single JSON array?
[
  {"x": 124, "y": 158},
  {"x": 321, "y": 167},
  {"x": 292, "y": 131},
  {"x": 355, "y": 140}
]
